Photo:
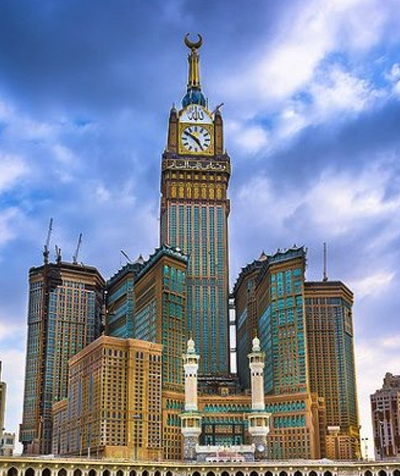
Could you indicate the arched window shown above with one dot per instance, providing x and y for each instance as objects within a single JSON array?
[
  {"x": 132, "y": 473},
  {"x": 327, "y": 473},
  {"x": 268, "y": 473},
  {"x": 106, "y": 472},
  {"x": 30, "y": 472},
  {"x": 225, "y": 473},
  {"x": 368, "y": 473},
  {"x": 170, "y": 474},
  {"x": 210, "y": 473},
  {"x": 120, "y": 472},
  {"x": 92, "y": 472},
  {"x": 298, "y": 473},
  {"x": 382, "y": 473},
  {"x": 46, "y": 472},
  {"x": 239, "y": 473},
  {"x": 145, "y": 473},
  {"x": 312, "y": 473},
  {"x": 283, "y": 473},
  {"x": 77, "y": 472},
  {"x": 396, "y": 472},
  {"x": 62, "y": 472},
  {"x": 157, "y": 473},
  {"x": 12, "y": 472},
  {"x": 196, "y": 473}
]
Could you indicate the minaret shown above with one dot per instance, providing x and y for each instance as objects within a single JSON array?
[
  {"x": 258, "y": 418},
  {"x": 191, "y": 418}
]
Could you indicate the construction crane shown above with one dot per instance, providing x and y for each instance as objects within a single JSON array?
[
  {"x": 58, "y": 255},
  {"x": 78, "y": 247},
  {"x": 46, "y": 251},
  {"x": 325, "y": 278}
]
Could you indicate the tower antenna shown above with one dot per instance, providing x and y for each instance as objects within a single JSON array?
[
  {"x": 325, "y": 278},
  {"x": 46, "y": 251},
  {"x": 78, "y": 247},
  {"x": 126, "y": 256}
]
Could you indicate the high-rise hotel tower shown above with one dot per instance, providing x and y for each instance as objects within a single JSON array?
[
  {"x": 194, "y": 215},
  {"x": 64, "y": 316}
]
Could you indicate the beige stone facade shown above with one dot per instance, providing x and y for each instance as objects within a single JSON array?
[{"x": 114, "y": 405}]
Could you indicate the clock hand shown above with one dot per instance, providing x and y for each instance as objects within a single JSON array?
[{"x": 194, "y": 138}]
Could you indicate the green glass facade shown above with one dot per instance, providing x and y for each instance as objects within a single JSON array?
[
  {"x": 120, "y": 301},
  {"x": 146, "y": 300},
  {"x": 281, "y": 324}
]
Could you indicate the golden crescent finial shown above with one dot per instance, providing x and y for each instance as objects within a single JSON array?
[{"x": 193, "y": 45}]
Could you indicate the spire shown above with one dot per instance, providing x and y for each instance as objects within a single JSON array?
[
  {"x": 193, "y": 94},
  {"x": 193, "y": 58}
]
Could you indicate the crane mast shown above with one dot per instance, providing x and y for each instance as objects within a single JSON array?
[
  {"x": 46, "y": 251},
  {"x": 78, "y": 247}
]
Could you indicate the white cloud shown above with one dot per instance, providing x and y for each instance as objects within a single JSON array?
[
  {"x": 8, "y": 330},
  {"x": 336, "y": 91},
  {"x": 305, "y": 38},
  {"x": 340, "y": 202},
  {"x": 247, "y": 138},
  {"x": 374, "y": 284},
  {"x": 12, "y": 168},
  {"x": 8, "y": 218},
  {"x": 396, "y": 89},
  {"x": 394, "y": 73},
  {"x": 64, "y": 155}
]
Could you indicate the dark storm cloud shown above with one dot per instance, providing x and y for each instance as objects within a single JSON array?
[{"x": 84, "y": 57}]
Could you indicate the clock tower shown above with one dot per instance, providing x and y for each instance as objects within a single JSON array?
[{"x": 194, "y": 215}]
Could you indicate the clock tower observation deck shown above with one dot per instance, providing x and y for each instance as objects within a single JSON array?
[{"x": 194, "y": 211}]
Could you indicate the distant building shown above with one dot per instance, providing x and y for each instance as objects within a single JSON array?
[
  {"x": 64, "y": 315},
  {"x": 331, "y": 366},
  {"x": 7, "y": 444},
  {"x": 3, "y": 388},
  {"x": 385, "y": 413}
]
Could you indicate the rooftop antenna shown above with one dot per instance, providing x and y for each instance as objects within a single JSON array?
[
  {"x": 46, "y": 251},
  {"x": 78, "y": 247},
  {"x": 325, "y": 278},
  {"x": 126, "y": 256}
]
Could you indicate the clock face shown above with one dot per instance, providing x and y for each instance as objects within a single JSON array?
[{"x": 196, "y": 138}]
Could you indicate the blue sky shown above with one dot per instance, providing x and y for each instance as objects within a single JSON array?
[{"x": 311, "y": 94}]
